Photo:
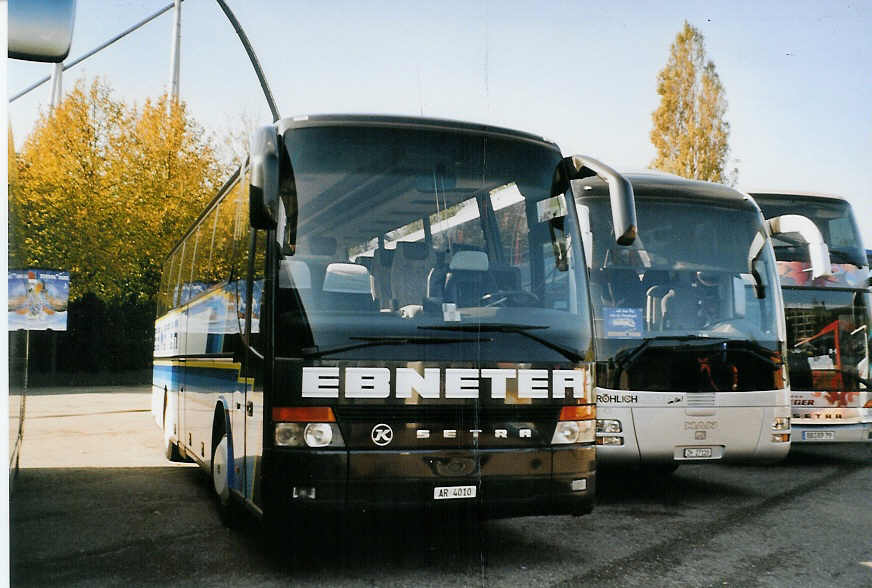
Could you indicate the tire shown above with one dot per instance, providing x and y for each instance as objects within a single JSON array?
[{"x": 220, "y": 485}]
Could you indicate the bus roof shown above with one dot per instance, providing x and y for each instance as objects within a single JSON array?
[
  {"x": 319, "y": 120},
  {"x": 388, "y": 120},
  {"x": 792, "y": 194},
  {"x": 653, "y": 184}
]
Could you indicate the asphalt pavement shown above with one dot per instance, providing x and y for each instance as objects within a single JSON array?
[{"x": 96, "y": 504}]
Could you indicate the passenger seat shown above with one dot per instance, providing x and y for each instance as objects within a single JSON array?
[
  {"x": 412, "y": 264},
  {"x": 382, "y": 259}
]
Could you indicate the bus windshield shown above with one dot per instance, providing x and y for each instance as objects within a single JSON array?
[
  {"x": 828, "y": 338},
  {"x": 836, "y": 223},
  {"x": 697, "y": 282},
  {"x": 427, "y": 244},
  {"x": 697, "y": 269}
]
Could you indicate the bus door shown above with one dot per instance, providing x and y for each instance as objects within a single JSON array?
[
  {"x": 238, "y": 400},
  {"x": 248, "y": 399}
]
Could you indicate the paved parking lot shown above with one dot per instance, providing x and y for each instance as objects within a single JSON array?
[{"x": 96, "y": 504}]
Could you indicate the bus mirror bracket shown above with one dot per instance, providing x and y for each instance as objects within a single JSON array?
[
  {"x": 623, "y": 202},
  {"x": 819, "y": 254},
  {"x": 264, "y": 188}
]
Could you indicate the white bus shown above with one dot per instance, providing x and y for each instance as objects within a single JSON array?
[
  {"x": 828, "y": 322},
  {"x": 385, "y": 313},
  {"x": 690, "y": 334}
]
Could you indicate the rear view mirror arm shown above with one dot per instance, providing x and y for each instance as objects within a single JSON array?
[
  {"x": 623, "y": 202},
  {"x": 819, "y": 254}
]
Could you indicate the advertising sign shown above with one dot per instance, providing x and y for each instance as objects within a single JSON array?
[
  {"x": 624, "y": 322},
  {"x": 38, "y": 299}
]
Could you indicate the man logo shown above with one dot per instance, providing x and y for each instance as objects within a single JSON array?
[{"x": 381, "y": 434}]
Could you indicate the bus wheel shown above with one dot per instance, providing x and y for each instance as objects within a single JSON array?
[
  {"x": 220, "y": 463},
  {"x": 171, "y": 450}
]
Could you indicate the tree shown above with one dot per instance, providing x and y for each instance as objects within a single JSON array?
[
  {"x": 105, "y": 189},
  {"x": 690, "y": 133}
]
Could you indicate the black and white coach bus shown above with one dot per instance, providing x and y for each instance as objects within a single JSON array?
[
  {"x": 385, "y": 312},
  {"x": 690, "y": 333},
  {"x": 828, "y": 322}
]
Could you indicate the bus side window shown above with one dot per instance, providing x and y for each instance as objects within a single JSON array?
[
  {"x": 175, "y": 283},
  {"x": 186, "y": 268},
  {"x": 223, "y": 241},
  {"x": 205, "y": 275},
  {"x": 254, "y": 289},
  {"x": 237, "y": 201}
]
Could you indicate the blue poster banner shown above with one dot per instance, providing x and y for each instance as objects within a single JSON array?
[
  {"x": 624, "y": 322},
  {"x": 38, "y": 299}
]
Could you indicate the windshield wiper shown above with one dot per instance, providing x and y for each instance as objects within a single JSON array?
[
  {"x": 751, "y": 348},
  {"x": 628, "y": 357},
  {"x": 376, "y": 341},
  {"x": 516, "y": 329}
]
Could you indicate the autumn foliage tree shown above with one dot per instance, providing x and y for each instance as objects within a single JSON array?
[
  {"x": 690, "y": 133},
  {"x": 104, "y": 189}
]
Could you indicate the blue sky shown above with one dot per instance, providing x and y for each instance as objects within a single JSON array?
[{"x": 797, "y": 74}]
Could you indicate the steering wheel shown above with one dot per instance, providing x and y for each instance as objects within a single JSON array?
[{"x": 510, "y": 298}]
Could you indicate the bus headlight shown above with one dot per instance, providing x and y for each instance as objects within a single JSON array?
[
  {"x": 289, "y": 434},
  {"x": 318, "y": 434},
  {"x": 781, "y": 424},
  {"x": 573, "y": 432},
  {"x": 608, "y": 426}
]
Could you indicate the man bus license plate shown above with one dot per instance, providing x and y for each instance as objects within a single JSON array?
[
  {"x": 818, "y": 435},
  {"x": 697, "y": 452},
  {"x": 449, "y": 492}
]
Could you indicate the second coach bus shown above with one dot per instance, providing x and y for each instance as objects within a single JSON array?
[
  {"x": 385, "y": 312},
  {"x": 828, "y": 322},
  {"x": 690, "y": 334}
]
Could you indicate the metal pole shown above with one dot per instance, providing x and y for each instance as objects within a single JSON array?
[
  {"x": 252, "y": 56},
  {"x": 57, "y": 75},
  {"x": 26, "y": 358},
  {"x": 80, "y": 59},
  {"x": 174, "y": 55}
]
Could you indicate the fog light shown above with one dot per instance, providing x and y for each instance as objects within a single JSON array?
[
  {"x": 303, "y": 492},
  {"x": 608, "y": 426},
  {"x": 781, "y": 437},
  {"x": 609, "y": 440},
  {"x": 578, "y": 485},
  {"x": 289, "y": 434},
  {"x": 318, "y": 434},
  {"x": 781, "y": 424}
]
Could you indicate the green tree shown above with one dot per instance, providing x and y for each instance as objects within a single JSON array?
[
  {"x": 690, "y": 133},
  {"x": 105, "y": 189}
]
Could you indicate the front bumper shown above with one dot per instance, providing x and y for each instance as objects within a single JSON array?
[{"x": 509, "y": 482}]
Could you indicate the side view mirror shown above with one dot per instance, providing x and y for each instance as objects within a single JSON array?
[
  {"x": 623, "y": 202},
  {"x": 264, "y": 188},
  {"x": 818, "y": 253},
  {"x": 41, "y": 30}
]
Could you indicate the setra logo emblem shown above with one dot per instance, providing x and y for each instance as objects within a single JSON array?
[{"x": 382, "y": 434}]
